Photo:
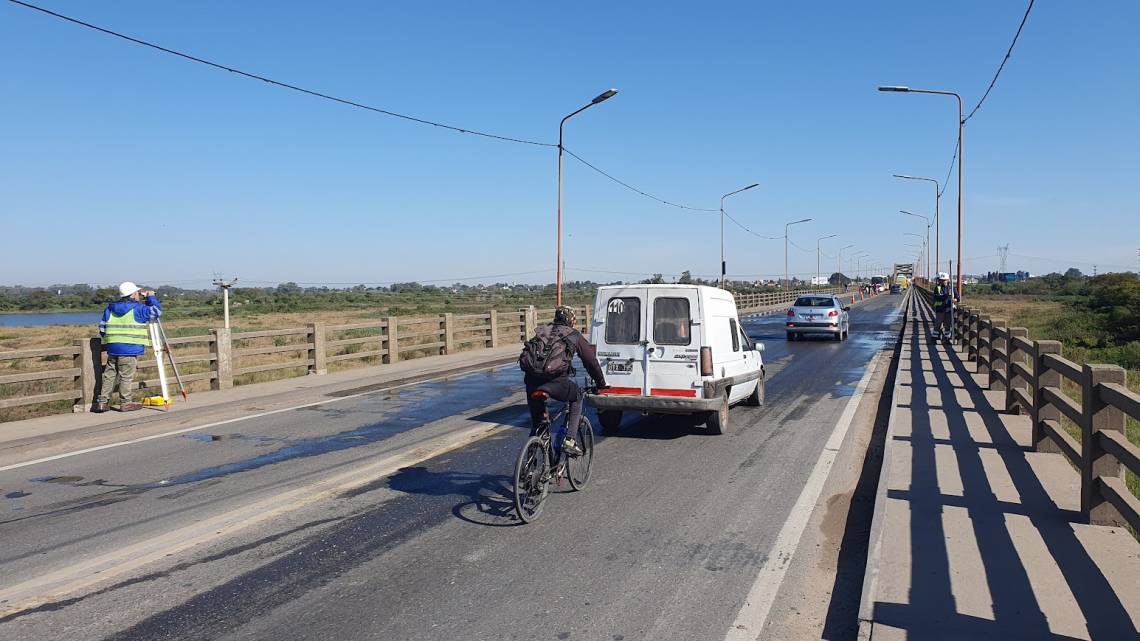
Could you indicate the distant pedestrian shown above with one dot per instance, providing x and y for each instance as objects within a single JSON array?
[{"x": 125, "y": 335}]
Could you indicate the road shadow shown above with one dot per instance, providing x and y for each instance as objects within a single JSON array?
[{"x": 484, "y": 499}]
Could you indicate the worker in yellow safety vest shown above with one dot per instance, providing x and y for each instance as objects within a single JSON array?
[{"x": 125, "y": 337}]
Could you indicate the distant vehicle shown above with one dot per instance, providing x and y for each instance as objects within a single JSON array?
[
  {"x": 878, "y": 283},
  {"x": 818, "y": 315},
  {"x": 896, "y": 288},
  {"x": 673, "y": 349}
]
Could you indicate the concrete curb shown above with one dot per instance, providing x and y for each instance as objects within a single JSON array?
[{"x": 875, "y": 543}]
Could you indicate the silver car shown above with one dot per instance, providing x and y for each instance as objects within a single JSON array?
[{"x": 819, "y": 314}]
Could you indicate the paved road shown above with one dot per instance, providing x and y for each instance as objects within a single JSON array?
[{"x": 388, "y": 516}]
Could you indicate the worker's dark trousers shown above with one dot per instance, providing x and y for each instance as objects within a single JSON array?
[{"x": 563, "y": 389}]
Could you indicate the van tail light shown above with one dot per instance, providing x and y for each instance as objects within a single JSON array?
[
  {"x": 832, "y": 314},
  {"x": 706, "y": 361},
  {"x": 791, "y": 312}
]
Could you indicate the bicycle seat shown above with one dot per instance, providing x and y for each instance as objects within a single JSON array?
[{"x": 540, "y": 394}]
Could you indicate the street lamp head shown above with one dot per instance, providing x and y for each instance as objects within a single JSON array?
[
  {"x": 606, "y": 95},
  {"x": 750, "y": 186},
  {"x": 805, "y": 220},
  {"x": 894, "y": 88},
  {"x": 826, "y": 237}
]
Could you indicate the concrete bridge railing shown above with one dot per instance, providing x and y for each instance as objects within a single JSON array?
[{"x": 1035, "y": 377}]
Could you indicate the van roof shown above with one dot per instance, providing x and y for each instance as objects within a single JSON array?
[{"x": 664, "y": 286}]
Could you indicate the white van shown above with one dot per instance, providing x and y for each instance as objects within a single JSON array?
[{"x": 673, "y": 349}]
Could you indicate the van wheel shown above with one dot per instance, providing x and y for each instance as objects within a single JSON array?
[
  {"x": 756, "y": 399},
  {"x": 717, "y": 421},
  {"x": 610, "y": 420},
  {"x": 791, "y": 336}
]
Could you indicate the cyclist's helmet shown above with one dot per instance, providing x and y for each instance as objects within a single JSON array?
[
  {"x": 943, "y": 276},
  {"x": 565, "y": 315}
]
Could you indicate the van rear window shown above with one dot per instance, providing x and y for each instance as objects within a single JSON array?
[
  {"x": 623, "y": 321},
  {"x": 671, "y": 321}
]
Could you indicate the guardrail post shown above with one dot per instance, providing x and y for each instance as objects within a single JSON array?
[
  {"x": 1015, "y": 382},
  {"x": 587, "y": 323},
  {"x": 391, "y": 341},
  {"x": 87, "y": 350},
  {"x": 1042, "y": 410},
  {"x": 972, "y": 335},
  {"x": 530, "y": 323},
  {"x": 983, "y": 351},
  {"x": 998, "y": 354},
  {"x": 447, "y": 328},
  {"x": 1095, "y": 462},
  {"x": 221, "y": 348},
  {"x": 493, "y": 330},
  {"x": 317, "y": 349}
]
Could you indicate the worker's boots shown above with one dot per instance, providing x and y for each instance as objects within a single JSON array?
[
  {"x": 100, "y": 408},
  {"x": 130, "y": 407}
]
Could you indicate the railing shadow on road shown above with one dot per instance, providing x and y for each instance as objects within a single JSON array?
[{"x": 1017, "y": 612}]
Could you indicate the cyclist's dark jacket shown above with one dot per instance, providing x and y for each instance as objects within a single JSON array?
[
  {"x": 943, "y": 298},
  {"x": 585, "y": 351}
]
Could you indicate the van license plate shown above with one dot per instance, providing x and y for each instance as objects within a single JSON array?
[{"x": 619, "y": 368}]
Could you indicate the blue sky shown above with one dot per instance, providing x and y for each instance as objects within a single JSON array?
[{"x": 121, "y": 162}]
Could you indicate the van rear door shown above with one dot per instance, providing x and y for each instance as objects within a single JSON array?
[
  {"x": 619, "y": 333},
  {"x": 674, "y": 346}
]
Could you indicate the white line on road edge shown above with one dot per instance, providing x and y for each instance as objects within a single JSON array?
[
  {"x": 228, "y": 421},
  {"x": 749, "y": 623},
  {"x": 87, "y": 573}
]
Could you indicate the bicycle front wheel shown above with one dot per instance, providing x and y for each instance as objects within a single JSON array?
[
  {"x": 578, "y": 467},
  {"x": 532, "y": 479}
]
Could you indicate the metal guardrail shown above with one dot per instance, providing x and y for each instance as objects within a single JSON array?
[{"x": 1032, "y": 374}]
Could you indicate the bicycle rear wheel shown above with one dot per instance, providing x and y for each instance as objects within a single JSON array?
[
  {"x": 532, "y": 478},
  {"x": 578, "y": 467}
]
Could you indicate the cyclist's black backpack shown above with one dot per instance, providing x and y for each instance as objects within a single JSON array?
[{"x": 550, "y": 353}]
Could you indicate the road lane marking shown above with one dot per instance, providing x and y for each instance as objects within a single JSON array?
[
  {"x": 143, "y": 439},
  {"x": 750, "y": 620},
  {"x": 84, "y": 574}
]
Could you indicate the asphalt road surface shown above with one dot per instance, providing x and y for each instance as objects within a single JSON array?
[{"x": 388, "y": 516}]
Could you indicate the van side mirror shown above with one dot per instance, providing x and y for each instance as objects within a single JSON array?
[{"x": 758, "y": 347}]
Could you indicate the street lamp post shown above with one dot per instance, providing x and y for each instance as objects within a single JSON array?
[
  {"x": 722, "y": 263},
  {"x": 817, "y": 253},
  {"x": 839, "y": 258},
  {"x": 961, "y": 161},
  {"x": 937, "y": 216},
  {"x": 857, "y": 259},
  {"x": 602, "y": 97},
  {"x": 926, "y": 264},
  {"x": 787, "y": 280}
]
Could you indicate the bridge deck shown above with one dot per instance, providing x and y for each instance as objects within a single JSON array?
[{"x": 976, "y": 535}]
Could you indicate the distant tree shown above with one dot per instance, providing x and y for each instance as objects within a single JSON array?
[
  {"x": 838, "y": 278},
  {"x": 1073, "y": 272},
  {"x": 686, "y": 278},
  {"x": 658, "y": 279}
]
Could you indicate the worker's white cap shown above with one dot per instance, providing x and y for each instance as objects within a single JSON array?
[
  {"x": 128, "y": 288},
  {"x": 943, "y": 276}
]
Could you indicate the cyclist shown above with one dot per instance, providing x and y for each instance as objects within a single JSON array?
[
  {"x": 547, "y": 361},
  {"x": 944, "y": 298}
]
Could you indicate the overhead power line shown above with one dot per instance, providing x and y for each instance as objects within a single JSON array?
[
  {"x": 278, "y": 83},
  {"x": 631, "y": 187},
  {"x": 1004, "y": 60}
]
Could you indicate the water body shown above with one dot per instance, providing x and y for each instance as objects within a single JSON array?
[{"x": 54, "y": 318}]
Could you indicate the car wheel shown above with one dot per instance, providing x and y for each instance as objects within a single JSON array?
[
  {"x": 791, "y": 336},
  {"x": 756, "y": 399},
  {"x": 839, "y": 335},
  {"x": 717, "y": 421},
  {"x": 610, "y": 420}
]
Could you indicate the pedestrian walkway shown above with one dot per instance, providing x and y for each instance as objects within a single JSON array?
[{"x": 976, "y": 536}]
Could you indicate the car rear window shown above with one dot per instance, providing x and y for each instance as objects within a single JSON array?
[
  {"x": 671, "y": 321},
  {"x": 813, "y": 301},
  {"x": 623, "y": 321}
]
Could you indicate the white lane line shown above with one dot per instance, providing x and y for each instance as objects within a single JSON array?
[
  {"x": 750, "y": 620},
  {"x": 85, "y": 573},
  {"x": 143, "y": 439}
]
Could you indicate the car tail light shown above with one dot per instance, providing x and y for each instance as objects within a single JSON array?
[
  {"x": 791, "y": 312},
  {"x": 832, "y": 314},
  {"x": 706, "y": 361}
]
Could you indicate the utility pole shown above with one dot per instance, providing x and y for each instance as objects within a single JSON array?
[{"x": 226, "y": 285}]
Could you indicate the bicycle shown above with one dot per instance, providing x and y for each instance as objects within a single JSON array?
[{"x": 537, "y": 466}]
